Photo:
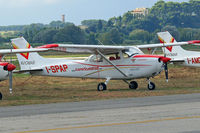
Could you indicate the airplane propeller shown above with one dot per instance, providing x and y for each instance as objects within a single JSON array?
[
  {"x": 10, "y": 81},
  {"x": 166, "y": 71},
  {"x": 10, "y": 73},
  {"x": 165, "y": 63},
  {"x": 165, "y": 60},
  {"x": 9, "y": 67}
]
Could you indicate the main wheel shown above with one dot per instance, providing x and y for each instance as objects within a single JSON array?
[
  {"x": 133, "y": 85},
  {"x": 151, "y": 86},
  {"x": 1, "y": 96},
  {"x": 101, "y": 87}
]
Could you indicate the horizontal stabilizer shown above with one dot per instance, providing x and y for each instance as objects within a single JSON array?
[{"x": 177, "y": 61}]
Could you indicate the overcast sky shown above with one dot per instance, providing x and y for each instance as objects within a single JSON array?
[{"x": 18, "y": 12}]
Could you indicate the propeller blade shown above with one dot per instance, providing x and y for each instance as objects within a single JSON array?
[
  {"x": 11, "y": 67},
  {"x": 10, "y": 81},
  {"x": 166, "y": 71}
]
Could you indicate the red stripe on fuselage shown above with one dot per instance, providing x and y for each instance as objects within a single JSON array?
[
  {"x": 147, "y": 56},
  {"x": 110, "y": 65}
]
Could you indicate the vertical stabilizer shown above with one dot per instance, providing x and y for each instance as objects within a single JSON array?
[
  {"x": 27, "y": 61},
  {"x": 174, "y": 52}
]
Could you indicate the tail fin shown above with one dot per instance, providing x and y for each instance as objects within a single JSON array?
[
  {"x": 174, "y": 52},
  {"x": 27, "y": 61}
]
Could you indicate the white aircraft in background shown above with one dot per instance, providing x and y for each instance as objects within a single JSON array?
[
  {"x": 6, "y": 68},
  {"x": 129, "y": 63},
  {"x": 177, "y": 54}
]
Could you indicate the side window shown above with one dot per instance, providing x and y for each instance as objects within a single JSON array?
[
  {"x": 114, "y": 57},
  {"x": 95, "y": 58}
]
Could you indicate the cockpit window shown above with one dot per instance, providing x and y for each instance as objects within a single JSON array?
[{"x": 95, "y": 58}]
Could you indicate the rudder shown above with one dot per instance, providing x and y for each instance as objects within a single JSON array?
[
  {"x": 174, "y": 52},
  {"x": 27, "y": 61}
]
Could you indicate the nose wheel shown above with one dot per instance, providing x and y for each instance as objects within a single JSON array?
[
  {"x": 151, "y": 85},
  {"x": 101, "y": 87}
]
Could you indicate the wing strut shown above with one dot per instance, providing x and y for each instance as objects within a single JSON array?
[{"x": 111, "y": 63}]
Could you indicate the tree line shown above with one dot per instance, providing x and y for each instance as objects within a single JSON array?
[{"x": 181, "y": 19}]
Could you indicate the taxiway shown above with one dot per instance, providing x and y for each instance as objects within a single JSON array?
[{"x": 166, "y": 114}]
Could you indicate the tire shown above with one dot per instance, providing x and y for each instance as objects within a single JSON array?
[
  {"x": 1, "y": 96},
  {"x": 133, "y": 85},
  {"x": 101, "y": 87},
  {"x": 151, "y": 86}
]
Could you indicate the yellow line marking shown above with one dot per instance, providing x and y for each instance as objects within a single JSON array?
[{"x": 111, "y": 124}]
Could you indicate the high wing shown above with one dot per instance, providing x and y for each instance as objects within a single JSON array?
[
  {"x": 92, "y": 49},
  {"x": 9, "y": 51},
  {"x": 107, "y": 49},
  {"x": 167, "y": 44}
]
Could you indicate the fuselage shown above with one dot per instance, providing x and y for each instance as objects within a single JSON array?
[
  {"x": 134, "y": 67},
  {"x": 190, "y": 61},
  {"x": 3, "y": 74}
]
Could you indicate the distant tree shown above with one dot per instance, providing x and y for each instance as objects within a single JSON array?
[
  {"x": 45, "y": 36},
  {"x": 57, "y": 24},
  {"x": 100, "y": 25},
  {"x": 31, "y": 30},
  {"x": 143, "y": 36},
  {"x": 112, "y": 37},
  {"x": 109, "y": 23},
  {"x": 127, "y": 18},
  {"x": 91, "y": 39},
  {"x": 71, "y": 34}
]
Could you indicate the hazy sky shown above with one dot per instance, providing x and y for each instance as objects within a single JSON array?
[{"x": 17, "y": 12}]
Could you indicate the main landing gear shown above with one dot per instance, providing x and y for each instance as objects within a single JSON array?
[
  {"x": 132, "y": 85},
  {"x": 103, "y": 86}
]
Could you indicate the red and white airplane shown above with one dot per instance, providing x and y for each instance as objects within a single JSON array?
[
  {"x": 177, "y": 54},
  {"x": 106, "y": 62},
  {"x": 6, "y": 68}
]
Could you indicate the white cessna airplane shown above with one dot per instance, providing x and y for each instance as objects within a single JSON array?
[
  {"x": 129, "y": 62},
  {"x": 177, "y": 54},
  {"x": 6, "y": 68}
]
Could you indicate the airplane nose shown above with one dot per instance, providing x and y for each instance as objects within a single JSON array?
[
  {"x": 165, "y": 59},
  {"x": 9, "y": 67}
]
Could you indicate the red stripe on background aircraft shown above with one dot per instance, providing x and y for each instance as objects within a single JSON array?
[{"x": 106, "y": 62}]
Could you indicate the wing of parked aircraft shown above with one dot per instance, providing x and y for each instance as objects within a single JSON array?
[
  {"x": 105, "y": 49},
  {"x": 10, "y": 51}
]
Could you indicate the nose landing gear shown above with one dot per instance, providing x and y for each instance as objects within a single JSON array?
[
  {"x": 151, "y": 85},
  {"x": 103, "y": 86}
]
